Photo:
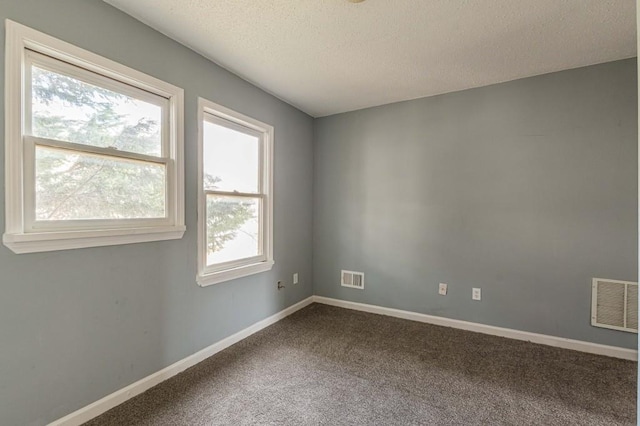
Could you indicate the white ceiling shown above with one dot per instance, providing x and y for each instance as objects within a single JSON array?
[{"x": 331, "y": 56}]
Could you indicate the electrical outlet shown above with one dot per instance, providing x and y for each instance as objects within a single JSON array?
[
  {"x": 442, "y": 289},
  {"x": 476, "y": 293},
  {"x": 295, "y": 278}
]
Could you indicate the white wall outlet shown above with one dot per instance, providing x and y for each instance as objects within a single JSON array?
[
  {"x": 476, "y": 293},
  {"x": 442, "y": 289},
  {"x": 295, "y": 278}
]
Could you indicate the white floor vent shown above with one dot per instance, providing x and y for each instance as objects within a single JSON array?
[
  {"x": 353, "y": 279},
  {"x": 615, "y": 305}
]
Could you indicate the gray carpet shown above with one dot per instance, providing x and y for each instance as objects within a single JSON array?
[{"x": 331, "y": 366}]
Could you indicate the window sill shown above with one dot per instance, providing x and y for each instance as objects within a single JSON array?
[
  {"x": 232, "y": 274},
  {"x": 67, "y": 240}
]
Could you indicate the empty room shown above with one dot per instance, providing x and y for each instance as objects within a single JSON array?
[{"x": 331, "y": 212}]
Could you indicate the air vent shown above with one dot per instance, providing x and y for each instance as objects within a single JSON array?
[
  {"x": 615, "y": 305},
  {"x": 353, "y": 279}
]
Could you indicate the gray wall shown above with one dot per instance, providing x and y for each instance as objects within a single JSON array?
[
  {"x": 77, "y": 325},
  {"x": 527, "y": 189}
]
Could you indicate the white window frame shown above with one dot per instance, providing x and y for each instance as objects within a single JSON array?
[
  {"x": 22, "y": 233},
  {"x": 213, "y": 274}
]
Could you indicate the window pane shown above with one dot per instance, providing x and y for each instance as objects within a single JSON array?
[
  {"x": 67, "y": 109},
  {"x": 230, "y": 159},
  {"x": 233, "y": 230},
  {"x": 75, "y": 186}
]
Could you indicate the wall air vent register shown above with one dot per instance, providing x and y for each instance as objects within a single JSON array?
[{"x": 615, "y": 305}]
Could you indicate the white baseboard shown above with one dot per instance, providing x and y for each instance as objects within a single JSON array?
[
  {"x": 559, "y": 342},
  {"x": 118, "y": 397}
]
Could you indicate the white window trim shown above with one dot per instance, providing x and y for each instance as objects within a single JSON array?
[
  {"x": 206, "y": 276},
  {"x": 20, "y": 39}
]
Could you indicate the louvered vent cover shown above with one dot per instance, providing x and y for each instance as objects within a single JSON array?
[
  {"x": 353, "y": 279},
  {"x": 615, "y": 305}
]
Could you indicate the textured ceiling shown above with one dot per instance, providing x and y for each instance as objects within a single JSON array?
[{"x": 331, "y": 56}]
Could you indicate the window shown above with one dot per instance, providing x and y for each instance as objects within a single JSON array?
[
  {"x": 235, "y": 202},
  {"x": 93, "y": 149}
]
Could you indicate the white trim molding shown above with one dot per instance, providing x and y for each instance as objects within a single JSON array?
[
  {"x": 110, "y": 401},
  {"x": 543, "y": 339},
  {"x": 116, "y": 398},
  {"x": 34, "y": 243},
  {"x": 23, "y": 233},
  {"x": 222, "y": 116}
]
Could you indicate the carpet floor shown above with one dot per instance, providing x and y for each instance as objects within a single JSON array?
[{"x": 331, "y": 366}]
